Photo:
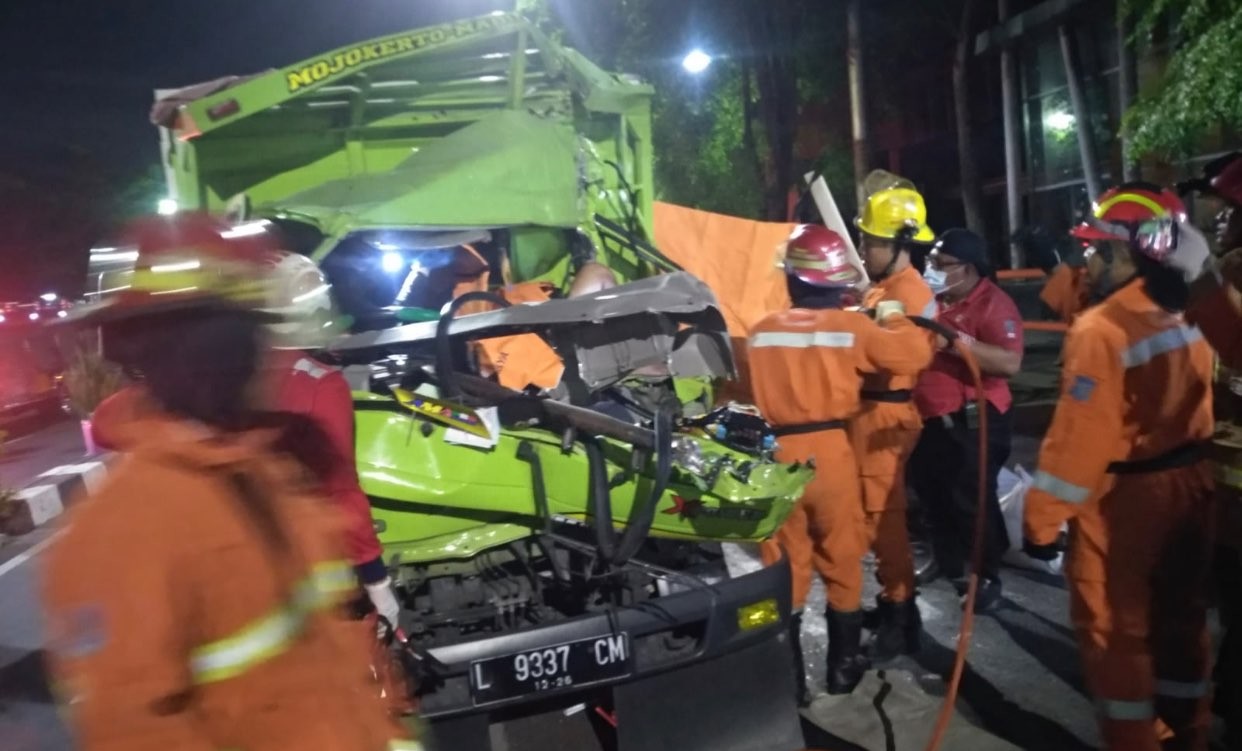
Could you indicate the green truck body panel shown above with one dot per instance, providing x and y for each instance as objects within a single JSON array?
[{"x": 437, "y": 501}]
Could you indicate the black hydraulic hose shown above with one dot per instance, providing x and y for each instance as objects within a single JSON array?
[
  {"x": 639, "y": 246},
  {"x": 935, "y": 326},
  {"x": 643, "y": 515},
  {"x": 599, "y": 499},
  {"x": 449, "y": 388},
  {"x": 527, "y": 453}
]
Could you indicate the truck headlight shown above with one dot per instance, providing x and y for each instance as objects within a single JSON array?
[
  {"x": 689, "y": 456},
  {"x": 758, "y": 614}
]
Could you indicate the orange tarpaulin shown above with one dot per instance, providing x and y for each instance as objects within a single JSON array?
[{"x": 738, "y": 259}]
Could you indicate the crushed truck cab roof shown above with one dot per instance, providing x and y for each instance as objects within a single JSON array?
[{"x": 317, "y": 134}]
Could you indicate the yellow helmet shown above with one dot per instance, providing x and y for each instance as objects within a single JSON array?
[
  {"x": 879, "y": 180},
  {"x": 887, "y": 212}
]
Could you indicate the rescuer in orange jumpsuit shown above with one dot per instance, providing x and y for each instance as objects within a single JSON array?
[
  {"x": 807, "y": 366},
  {"x": 517, "y": 361},
  {"x": 1067, "y": 291},
  {"x": 1124, "y": 464},
  {"x": 192, "y": 603},
  {"x": 887, "y": 427}
]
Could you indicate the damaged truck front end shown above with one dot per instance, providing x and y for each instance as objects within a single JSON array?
[{"x": 569, "y": 555}]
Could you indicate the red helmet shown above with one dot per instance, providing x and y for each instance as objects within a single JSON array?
[
  {"x": 818, "y": 256},
  {"x": 1144, "y": 215},
  {"x": 188, "y": 261},
  {"x": 1228, "y": 184}
]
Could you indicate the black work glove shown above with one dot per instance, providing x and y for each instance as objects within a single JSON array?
[{"x": 1047, "y": 552}]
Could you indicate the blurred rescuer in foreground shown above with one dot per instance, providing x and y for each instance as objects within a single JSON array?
[
  {"x": 885, "y": 430},
  {"x": 1124, "y": 462},
  {"x": 193, "y": 602},
  {"x": 807, "y": 366},
  {"x": 944, "y": 468}
]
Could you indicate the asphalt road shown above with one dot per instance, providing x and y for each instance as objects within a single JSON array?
[
  {"x": 28, "y": 718},
  {"x": 34, "y": 448}
]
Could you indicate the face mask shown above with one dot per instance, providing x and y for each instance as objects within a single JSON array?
[{"x": 937, "y": 279}]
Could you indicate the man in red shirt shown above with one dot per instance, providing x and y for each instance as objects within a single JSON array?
[
  {"x": 944, "y": 466},
  {"x": 298, "y": 384}
]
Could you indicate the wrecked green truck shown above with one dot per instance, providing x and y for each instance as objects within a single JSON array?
[{"x": 557, "y": 554}]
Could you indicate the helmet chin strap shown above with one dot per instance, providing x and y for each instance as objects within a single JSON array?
[
  {"x": 1103, "y": 291},
  {"x": 900, "y": 242}
]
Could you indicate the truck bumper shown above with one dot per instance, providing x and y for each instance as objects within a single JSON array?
[{"x": 731, "y": 689}]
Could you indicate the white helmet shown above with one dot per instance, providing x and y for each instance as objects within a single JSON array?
[{"x": 302, "y": 297}]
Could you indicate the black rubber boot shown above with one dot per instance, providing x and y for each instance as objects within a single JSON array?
[
  {"x": 795, "y": 642},
  {"x": 926, "y": 569},
  {"x": 846, "y": 661},
  {"x": 899, "y": 630}
]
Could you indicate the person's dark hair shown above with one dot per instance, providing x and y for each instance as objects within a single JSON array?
[
  {"x": 809, "y": 296},
  {"x": 1165, "y": 286},
  {"x": 197, "y": 364},
  {"x": 967, "y": 247}
]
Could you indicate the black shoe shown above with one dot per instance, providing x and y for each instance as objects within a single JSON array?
[
  {"x": 802, "y": 693},
  {"x": 899, "y": 632},
  {"x": 926, "y": 569},
  {"x": 988, "y": 597},
  {"x": 846, "y": 661}
]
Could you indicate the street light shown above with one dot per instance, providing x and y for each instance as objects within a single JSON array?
[
  {"x": 48, "y": 297},
  {"x": 696, "y": 61},
  {"x": 167, "y": 206},
  {"x": 1059, "y": 120}
]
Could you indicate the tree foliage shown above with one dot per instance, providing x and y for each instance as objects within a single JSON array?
[
  {"x": 1202, "y": 88},
  {"x": 725, "y": 140}
]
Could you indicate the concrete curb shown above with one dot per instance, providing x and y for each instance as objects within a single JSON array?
[{"x": 54, "y": 491}]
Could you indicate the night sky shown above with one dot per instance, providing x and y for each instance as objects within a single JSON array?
[
  {"x": 82, "y": 72},
  {"x": 76, "y": 86}
]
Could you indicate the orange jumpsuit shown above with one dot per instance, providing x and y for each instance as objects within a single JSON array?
[
  {"x": 1123, "y": 463},
  {"x": 192, "y": 603},
  {"x": 522, "y": 360},
  {"x": 519, "y": 360},
  {"x": 884, "y": 433},
  {"x": 806, "y": 368},
  {"x": 1067, "y": 292}
]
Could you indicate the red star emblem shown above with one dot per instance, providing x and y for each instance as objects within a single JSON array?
[{"x": 684, "y": 508}]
